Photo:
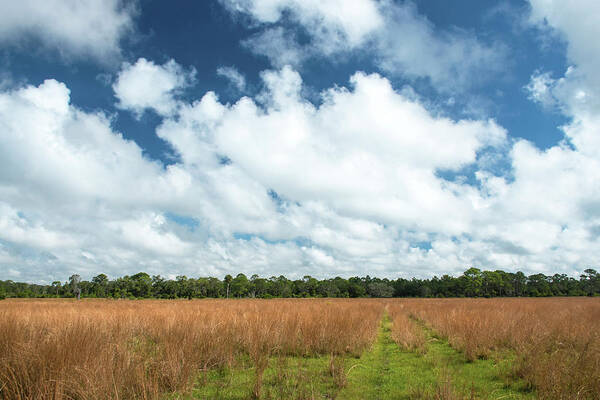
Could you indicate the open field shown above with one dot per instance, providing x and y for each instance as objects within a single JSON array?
[{"x": 301, "y": 349}]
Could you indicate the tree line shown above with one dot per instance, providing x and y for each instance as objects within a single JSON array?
[{"x": 472, "y": 283}]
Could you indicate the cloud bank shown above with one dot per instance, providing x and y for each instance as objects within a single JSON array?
[
  {"x": 83, "y": 28},
  {"x": 403, "y": 42},
  {"x": 369, "y": 180},
  {"x": 277, "y": 185}
]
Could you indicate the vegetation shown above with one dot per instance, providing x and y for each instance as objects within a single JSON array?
[
  {"x": 104, "y": 349},
  {"x": 472, "y": 283},
  {"x": 300, "y": 349},
  {"x": 555, "y": 342}
]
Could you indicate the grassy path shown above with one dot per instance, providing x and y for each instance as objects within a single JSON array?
[
  {"x": 384, "y": 372},
  {"x": 284, "y": 378},
  {"x": 480, "y": 379},
  {"x": 389, "y": 372}
]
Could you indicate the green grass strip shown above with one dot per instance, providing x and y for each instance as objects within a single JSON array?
[
  {"x": 284, "y": 378},
  {"x": 386, "y": 371},
  {"x": 389, "y": 372},
  {"x": 480, "y": 379}
]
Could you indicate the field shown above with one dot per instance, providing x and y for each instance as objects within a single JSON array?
[{"x": 301, "y": 349}]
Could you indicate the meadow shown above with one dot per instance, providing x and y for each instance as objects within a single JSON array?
[{"x": 513, "y": 348}]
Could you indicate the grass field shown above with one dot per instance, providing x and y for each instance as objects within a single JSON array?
[{"x": 301, "y": 349}]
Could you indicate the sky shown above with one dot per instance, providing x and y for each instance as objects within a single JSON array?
[{"x": 327, "y": 138}]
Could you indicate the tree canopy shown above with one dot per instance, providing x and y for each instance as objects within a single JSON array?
[{"x": 472, "y": 283}]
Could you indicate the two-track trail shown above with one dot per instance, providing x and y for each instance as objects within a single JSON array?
[{"x": 388, "y": 371}]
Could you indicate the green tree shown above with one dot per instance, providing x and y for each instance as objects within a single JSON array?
[
  {"x": 491, "y": 283},
  {"x": 227, "y": 280},
  {"x": 240, "y": 286},
  {"x": 100, "y": 285},
  {"x": 140, "y": 285},
  {"x": 473, "y": 282},
  {"x": 380, "y": 289},
  {"x": 56, "y": 287},
  {"x": 590, "y": 282},
  {"x": 538, "y": 285},
  {"x": 260, "y": 286},
  {"x": 519, "y": 283}
]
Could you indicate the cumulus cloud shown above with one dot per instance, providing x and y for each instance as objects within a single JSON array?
[
  {"x": 547, "y": 213},
  {"x": 145, "y": 85},
  {"x": 379, "y": 162},
  {"x": 275, "y": 184},
  {"x": 234, "y": 77},
  {"x": 577, "y": 24},
  {"x": 334, "y": 24},
  {"x": 67, "y": 177},
  {"x": 577, "y": 93},
  {"x": 73, "y": 28},
  {"x": 402, "y": 42},
  {"x": 362, "y": 188},
  {"x": 411, "y": 46},
  {"x": 279, "y": 46},
  {"x": 540, "y": 88}
]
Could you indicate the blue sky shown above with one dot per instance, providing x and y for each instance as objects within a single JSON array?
[{"x": 390, "y": 138}]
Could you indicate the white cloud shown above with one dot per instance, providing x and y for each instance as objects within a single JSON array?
[
  {"x": 145, "y": 85},
  {"x": 276, "y": 185},
  {"x": 17, "y": 229},
  {"x": 379, "y": 162},
  {"x": 578, "y": 22},
  {"x": 335, "y": 23},
  {"x": 402, "y": 42},
  {"x": 279, "y": 46},
  {"x": 577, "y": 93},
  {"x": 540, "y": 89},
  {"x": 234, "y": 77},
  {"x": 73, "y": 28},
  {"x": 410, "y": 45}
]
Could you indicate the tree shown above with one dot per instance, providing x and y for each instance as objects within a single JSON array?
[
  {"x": 491, "y": 283},
  {"x": 355, "y": 288},
  {"x": 473, "y": 282},
  {"x": 240, "y": 286},
  {"x": 140, "y": 285},
  {"x": 158, "y": 285},
  {"x": 310, "y": 285},
  {"x": 380, "y": 289},
  {"x": 74, "y": 282},
  {"x": 328, "y": 288},
  {"x": 280, "y": 286},
  {"x": 559, "y": 285},
  {"x": 538, "y": 285},
  {"x": 227, "y": 280},
  {"x": 56, "y": 287},
  {"x": 590, "y": 282},
  {"x": 100, "y": 285},
  {"x": 260, "y": 286},
  {"x": 519, "y": 283}
]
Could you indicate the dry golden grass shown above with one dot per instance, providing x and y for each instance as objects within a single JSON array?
[
  {"x": 556, "y": 340},
  {"x": 108, "y": 349},
  {"x": 104, "y": 349},
  {"x": 405, "y": 332}
]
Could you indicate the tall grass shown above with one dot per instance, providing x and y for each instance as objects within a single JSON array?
[
  {"x": 405, "y": 332},
  {"x": 103, "y": 349},
  {"x": 556, "y": 341},
  {"x": 109, "y": 349}
]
